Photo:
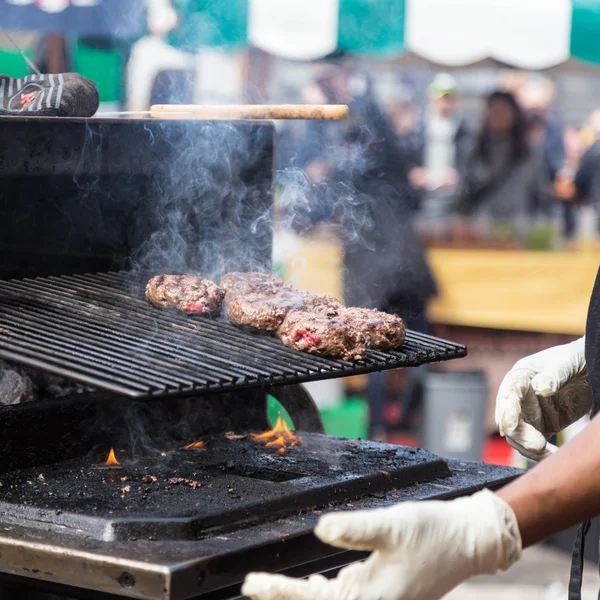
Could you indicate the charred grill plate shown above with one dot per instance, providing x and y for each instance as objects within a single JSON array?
[{"x": 226, "y": 484}]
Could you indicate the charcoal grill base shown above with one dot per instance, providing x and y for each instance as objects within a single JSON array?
[
  {"x": 208, "y": 569},
  {"x": 234, "y": 483}
]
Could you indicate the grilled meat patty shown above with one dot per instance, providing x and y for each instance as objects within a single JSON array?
[
  {"x": 264, "y": 311},
  {"x": 322, "y": 304},
  {"x": 320, "y": 334},
  {"x": 189, "y": 293},
  {"x": 267, "y": 311},
  {"x": 381, "y": 331},
  {"x": 241, "y": 284}
]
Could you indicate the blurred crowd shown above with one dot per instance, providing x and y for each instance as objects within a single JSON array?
[
  {"x": 518, "y": 173},
  {"x": 398, "y": 177}
]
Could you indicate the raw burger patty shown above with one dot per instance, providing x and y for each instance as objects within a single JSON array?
[
  {"x": 240, "y": 284},
  {"x": 319, "y": 334},
  {"x": 381, "y": 331},
  {"x": 190, "y": 293}
]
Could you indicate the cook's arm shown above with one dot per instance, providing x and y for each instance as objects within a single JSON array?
[{"x": 561, "y": 491}]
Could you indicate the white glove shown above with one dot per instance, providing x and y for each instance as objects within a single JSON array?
[
  {"x": 541, "y": 395},
  {"x": 420, "y": 551},
  {"x": 162, "y": 17}
]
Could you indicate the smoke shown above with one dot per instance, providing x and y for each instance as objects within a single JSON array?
[
  {"x": 207, "y": 205},
  {"x": 211, "y": 198}
]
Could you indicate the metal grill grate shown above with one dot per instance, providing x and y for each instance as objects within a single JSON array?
[{"x": 100, "y": 331}]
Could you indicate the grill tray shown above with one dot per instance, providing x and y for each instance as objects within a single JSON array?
[{"x": 100, "y": 331}]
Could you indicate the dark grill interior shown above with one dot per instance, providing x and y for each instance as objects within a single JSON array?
[{"x": 99, "y": 330}]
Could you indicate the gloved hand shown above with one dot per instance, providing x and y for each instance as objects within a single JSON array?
[
  {"x": 541, "y": 395},
  {"x": 420, "y": 551}
]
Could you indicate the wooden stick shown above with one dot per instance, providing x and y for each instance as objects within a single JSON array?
[{"x": 325, "y": 112}]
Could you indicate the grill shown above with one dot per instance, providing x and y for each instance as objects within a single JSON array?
[
  {"x": 99, "y": 330},
  {"x": 126, "y": 199}
]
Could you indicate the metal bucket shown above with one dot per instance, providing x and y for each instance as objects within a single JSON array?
[{"x": 455, "y": 406}]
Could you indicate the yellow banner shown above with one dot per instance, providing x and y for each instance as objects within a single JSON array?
[
  {"x": 520, "y": 290},
  {"x": 546, "y": 292}
]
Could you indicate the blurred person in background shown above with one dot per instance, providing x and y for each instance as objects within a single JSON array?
[
  {"x": 587, "y": 178},
  {"x": 407, "y": 155},
  {"x": 386, "y": 266},
  {"x": 537, "y": 96},
  {"x": 155, "y": 61},
  {"x": 444, "y": 140},
  {"x": 503, "y": 180},
  {"x": 565, "y": 190},
  {"x": 355, "y": 184}
]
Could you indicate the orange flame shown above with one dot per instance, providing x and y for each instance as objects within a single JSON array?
[
  {"x": 112, "y": 459},
  {"x": 195, "y": 445},
  {"x": 280, "y": 437}
]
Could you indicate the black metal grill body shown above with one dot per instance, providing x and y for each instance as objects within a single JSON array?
[{"x": 79, "y": 196}]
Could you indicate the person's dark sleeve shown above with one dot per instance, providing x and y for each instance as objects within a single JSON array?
[
  {"x": 475, "y": 176},
  {"x": 554, "y": 147},
  {"x": 540, "y": 197},
  {"x": 587, "y": 167},
  {"x": 463, "y": 144},
  {"x": 416, "y": 158}
]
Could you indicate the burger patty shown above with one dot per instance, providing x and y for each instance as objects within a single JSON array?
[
  {"x": 267, "y": 311},
  {"x": 381, "y": 331},
  {"x": 322, "y": 304},
  {"x": 189, "y": 293},
  {"x": 305, "y": 321},
  {"x": 264, "y": 311},
  {"x": 319, "y": 334},
  {"x": 241, "y": 284}
]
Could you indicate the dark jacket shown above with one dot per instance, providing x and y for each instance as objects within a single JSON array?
[
  {"x": 385, "y": 260},
  {"x": 554, "y": 148},
  {"x": 501, "y": 188},
  {"x": 385, "y": 263},
  {"x": 587, "y": 179}
]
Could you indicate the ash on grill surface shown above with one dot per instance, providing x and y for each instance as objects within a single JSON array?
[
  {"x": 99, "y": 330},
  {"x": 238, "y": 482}
]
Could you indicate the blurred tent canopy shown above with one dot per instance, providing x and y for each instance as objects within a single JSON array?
[
  {"x": 531, "y": 34},
  {"x": 535, "y": 34}
]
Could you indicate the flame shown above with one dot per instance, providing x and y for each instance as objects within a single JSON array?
[
  {"x": 112, "y": 459},
  {"x": 280, "y": 437},
  {"x": 195, "y": 445}
]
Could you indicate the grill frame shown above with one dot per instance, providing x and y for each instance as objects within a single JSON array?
[
  {"x": 93, "y": 329},
  {"x": 205, "y": 568}
]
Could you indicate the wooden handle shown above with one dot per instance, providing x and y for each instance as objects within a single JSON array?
[{"x": 324, "y": 112}]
